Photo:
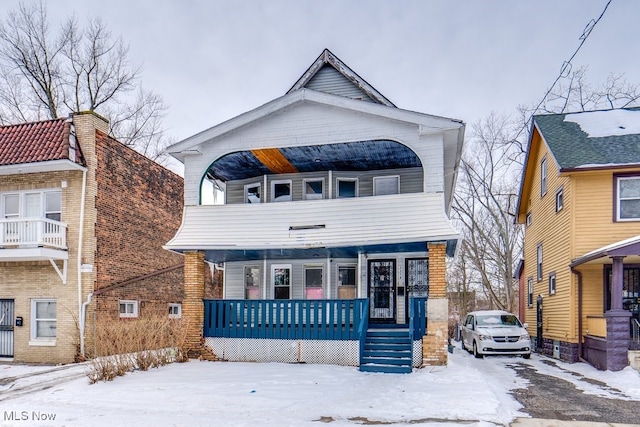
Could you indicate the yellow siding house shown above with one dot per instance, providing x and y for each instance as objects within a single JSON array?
[{"x": 580, "y": 203}]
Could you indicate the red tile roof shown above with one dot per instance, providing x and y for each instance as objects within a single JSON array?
[{"x": 36, "y": 142}]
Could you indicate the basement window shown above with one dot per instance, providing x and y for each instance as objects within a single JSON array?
[
  {"x": 175, "y": 310},
  {"x": 128, "y": 308}
]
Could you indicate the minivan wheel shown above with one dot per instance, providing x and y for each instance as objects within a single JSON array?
[
  {"x": 475, "y": 351},
  {"x": 526, "y": 356}
]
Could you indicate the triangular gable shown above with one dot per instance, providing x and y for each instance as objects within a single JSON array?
[{"x": 330, "y": 75}]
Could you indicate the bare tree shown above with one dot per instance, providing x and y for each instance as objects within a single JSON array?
[
  {"x": 488, "y": 185},
  {"x": 45, "y": 77},
  {"x": 484, "y": 207}
]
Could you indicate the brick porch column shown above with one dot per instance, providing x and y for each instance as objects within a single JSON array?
[
  {"x": 434, "y": 343},
  {"x": 617, "y": 321},
  {"x": 192, "y": 305}
]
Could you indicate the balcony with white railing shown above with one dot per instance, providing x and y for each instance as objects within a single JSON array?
[{"x": 18, "y": 234}]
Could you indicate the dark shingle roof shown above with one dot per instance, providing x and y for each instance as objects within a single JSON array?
[
  {"x": 36, "y": 142},
  {"x": 572, "y": 147}
]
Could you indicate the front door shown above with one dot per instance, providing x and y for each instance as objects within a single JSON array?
[
  {"x": 382, "y": 290},
  {"x": 6, "y": 327}
]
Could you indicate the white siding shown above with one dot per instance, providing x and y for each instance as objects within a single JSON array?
[
  {"x": 309, "y": 123},
  {"x": 394, "y": 218}
]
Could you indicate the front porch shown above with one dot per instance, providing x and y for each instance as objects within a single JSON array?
[{"x": 311, "y": 331}]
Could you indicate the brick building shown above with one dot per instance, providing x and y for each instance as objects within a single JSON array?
[{"x": 83, "y": 222}]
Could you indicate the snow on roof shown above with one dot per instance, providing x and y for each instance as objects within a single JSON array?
[{"x": 598, "y": 124}]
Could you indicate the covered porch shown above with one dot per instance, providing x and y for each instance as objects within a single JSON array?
[{"x": 610, "y": 339}]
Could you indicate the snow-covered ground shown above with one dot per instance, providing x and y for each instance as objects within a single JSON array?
[{"x": 474, "y": 392}]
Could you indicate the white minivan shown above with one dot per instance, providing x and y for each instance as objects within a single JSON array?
[{"x": 495, "y": 332}]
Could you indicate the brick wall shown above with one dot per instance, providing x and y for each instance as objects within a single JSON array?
[
  {"x": 138, "y": 209},
  {"x": 434, "y": 343}
]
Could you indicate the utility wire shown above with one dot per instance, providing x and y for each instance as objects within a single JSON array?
[{"x": 566, "y": 66}]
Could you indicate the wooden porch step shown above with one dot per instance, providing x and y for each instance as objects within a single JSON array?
[{"x": 388, "y": 350}]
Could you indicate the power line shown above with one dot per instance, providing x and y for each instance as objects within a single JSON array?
[{"x": 566, "y": 65}]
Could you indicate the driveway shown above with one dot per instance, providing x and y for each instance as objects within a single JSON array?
[{"x": 550, "y": 397}]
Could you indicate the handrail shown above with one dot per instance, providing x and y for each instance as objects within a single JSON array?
[
  {"x": 635, "y": 336},
  {"x": 363, "y": 327}
]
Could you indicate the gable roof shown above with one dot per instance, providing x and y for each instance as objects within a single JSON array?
[
  {"x": 330, "y": 75},
  {"x": 37, "y": 142},
  {"x": 606, "y": 138},
  {"x": 582, "y": 141}
]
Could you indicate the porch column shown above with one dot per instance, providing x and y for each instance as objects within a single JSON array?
[
  {"x": 434, "y": 343},
  {"x": 617, "y": 321},
  {"x": 193, "y": 305}
]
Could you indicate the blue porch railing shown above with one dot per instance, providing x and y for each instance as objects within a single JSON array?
[
  {"x": 418, "y": 317},
  {"x": 285, "y": 319}
]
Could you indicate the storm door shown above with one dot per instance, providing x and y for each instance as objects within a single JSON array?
[
  {"x": 6, "y": 327},
  {"x": 417, "y": 280},
  {"x": 382, "y": 290}
]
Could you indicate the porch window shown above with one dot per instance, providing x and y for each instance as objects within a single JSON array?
[
  {"x": 128, "y": 308},
  {"x": 313, "y": 282},
  {"x": 313, "y": 189},
  {"x": 552, "y": 283},
  {"x": 628, "y": 198},
  {"x": 539, "y": 262},
  {"x": 383, "y": 185},
  {"x": 530, "y": 292},
  {"x": 252, "y": 282},
  {"x": 252, "y": 193},
  {"x": 347, "y": 187},
  {"x": 347, "y": 281},
  {"x": 281, "y": 191},
  {"x": 43, "y": 320},
  {"x": 281, "y": 276},
  {"x": 543, "y": 177},
  {"x": 175, "y": 310}
]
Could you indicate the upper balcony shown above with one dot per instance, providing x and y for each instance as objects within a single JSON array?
[{"x": 32, "y": 239}]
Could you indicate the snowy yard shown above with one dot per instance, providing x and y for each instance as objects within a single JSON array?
[{"x": 470, "y": 391}]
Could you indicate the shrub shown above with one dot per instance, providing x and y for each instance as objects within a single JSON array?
[{"x": 123, "y": 345}]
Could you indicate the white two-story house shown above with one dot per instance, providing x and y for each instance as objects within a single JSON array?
[{"x": 331, "y": 217}]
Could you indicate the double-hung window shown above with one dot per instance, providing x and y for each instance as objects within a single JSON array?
[
  {"x": 552, "y": 283},
  {"x": 43, "y": 322},
  {"x": 530, "y": 292},
  {"x": 539, "y": 262},
  {"x": 543, "y": 177},
  {"x": 627, "y": 201}
]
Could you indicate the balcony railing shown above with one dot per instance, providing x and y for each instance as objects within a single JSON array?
[{"x": 33, "y": 232}]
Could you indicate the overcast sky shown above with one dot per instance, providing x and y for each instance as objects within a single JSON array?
[{"x": 212, "y": 59}]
